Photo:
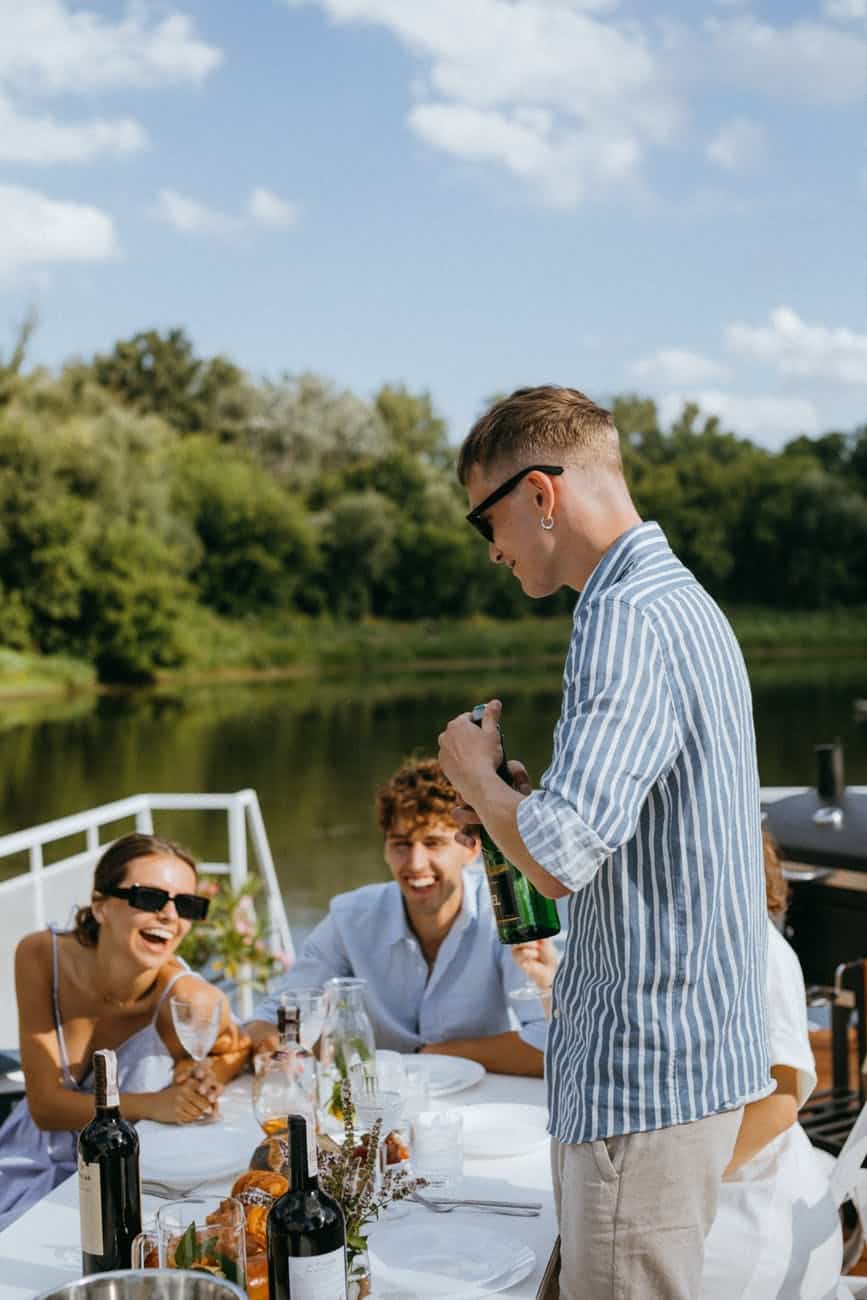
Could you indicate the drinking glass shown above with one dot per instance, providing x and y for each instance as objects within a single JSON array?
[
  {"x": 196, "y": 1025},
  {"x": 282, "y": 1085},
  {"x": 204, "y": 1232},
  {"x": 311, "y": 1006},
  {"x": 437, "y": 1148},
  {"x": 146, "y": 1249},
  {"x": 377, "y": 1098},
  {"x": 346, "y": 1039}
]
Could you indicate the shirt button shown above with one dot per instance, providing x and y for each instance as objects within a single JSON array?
[{"x": 556, "y": 1013}]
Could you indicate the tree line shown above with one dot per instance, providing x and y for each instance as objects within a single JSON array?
[{"x": 149, "y": 484}]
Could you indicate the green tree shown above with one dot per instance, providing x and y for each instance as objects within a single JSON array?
[{"x": 160, "y": 374}]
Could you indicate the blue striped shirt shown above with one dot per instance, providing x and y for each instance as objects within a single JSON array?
[{"x": 649, "y": 813}]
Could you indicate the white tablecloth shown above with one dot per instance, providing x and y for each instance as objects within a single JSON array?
[{"x": 41, "y": 1250}]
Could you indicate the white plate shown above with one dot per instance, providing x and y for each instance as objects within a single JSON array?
[
  {"x": 447, "y": 1257},
  {"x": 503, "y": 1130},
  {"x": 181, "y": 1154},
  {"x": 447, "y": 1074}
]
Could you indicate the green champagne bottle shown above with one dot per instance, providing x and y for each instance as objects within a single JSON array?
[{"x": 522, "y": 913}]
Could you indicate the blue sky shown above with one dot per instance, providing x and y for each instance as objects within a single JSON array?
[{"x": 462, "y": 195}]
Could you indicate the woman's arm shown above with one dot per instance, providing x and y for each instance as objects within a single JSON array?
[
  {"x": 767, "y": 1118},
  {"x": 53, "y": 1106}
]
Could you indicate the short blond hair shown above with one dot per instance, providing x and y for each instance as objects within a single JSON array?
[{"x": 539, "y": 422}]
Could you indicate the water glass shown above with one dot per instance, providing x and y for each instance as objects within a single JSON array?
[
  {"x": 196, "y": 1025},
  {"x": 437, "y": 1149},
  {"x": 311, "y": 1008},
  {"x": 204, "y": 1232},
  {"x": 145, "y": 1249}
]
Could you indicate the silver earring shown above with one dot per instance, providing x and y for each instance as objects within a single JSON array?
[{"x": 547, "y": 524}]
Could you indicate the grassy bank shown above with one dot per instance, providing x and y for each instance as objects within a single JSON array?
[{"x": 217, "y": 648}]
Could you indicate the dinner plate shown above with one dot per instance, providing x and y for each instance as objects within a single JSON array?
[
  {"x": 183, "y": 1154},
  {"x": 434, "y": 1258},
  {"x": 492, "y": 1130},
  {"x": 447, "y": 1074}
]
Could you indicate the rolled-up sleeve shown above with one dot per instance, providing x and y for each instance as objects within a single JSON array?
[{"x": 617, "y": 735}]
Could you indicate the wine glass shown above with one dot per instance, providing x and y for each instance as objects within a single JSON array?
[
  {"x": 376, "y": 1099},
  {"x": 543, "y": 951},
  {"x": 196, "y": 1025}
]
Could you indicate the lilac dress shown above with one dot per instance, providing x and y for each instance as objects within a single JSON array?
[{"x": 32, "y": 1160}]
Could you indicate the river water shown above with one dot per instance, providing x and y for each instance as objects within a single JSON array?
[{"x": 315, "y": 752}]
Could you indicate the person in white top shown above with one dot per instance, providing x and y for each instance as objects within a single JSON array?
[{"x": 777, "y": 1234}]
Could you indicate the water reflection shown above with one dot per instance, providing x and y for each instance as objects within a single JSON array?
[{"x": 315, "y": 752}]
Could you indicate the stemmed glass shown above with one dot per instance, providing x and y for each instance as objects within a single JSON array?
[
  {"x": 196, "y": 1025},
  {"x": 377, "y": 1098}
]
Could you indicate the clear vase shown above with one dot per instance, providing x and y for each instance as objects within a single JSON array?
[
  {"x": 358, "y": 1285},
  {"x": 346, "y": 1038}
]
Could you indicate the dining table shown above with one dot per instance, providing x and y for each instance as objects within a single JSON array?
[{"x": 41, "y": 1250}]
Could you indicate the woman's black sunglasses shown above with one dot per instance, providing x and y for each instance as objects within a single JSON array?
[
  {"x": 147, "y": 898},
  {"x": 476, "y": 515}
]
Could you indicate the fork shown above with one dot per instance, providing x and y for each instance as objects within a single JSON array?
[
  {"x": 446, "y": 1207},
  {"x": 167, "y": 1192}
]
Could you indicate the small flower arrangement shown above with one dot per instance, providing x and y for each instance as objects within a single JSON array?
[
  {"x": 349, "y": 1175},
  {"x": 232, "y": 942}
]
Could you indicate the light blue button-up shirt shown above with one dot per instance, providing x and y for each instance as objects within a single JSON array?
[{"x": 465, "y": 994}]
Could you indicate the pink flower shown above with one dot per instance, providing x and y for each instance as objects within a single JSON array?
[
  {"x": 244, "y": 917},
  {"x": 209, "y": 888}
]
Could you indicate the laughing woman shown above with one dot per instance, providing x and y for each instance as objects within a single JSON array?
[{"x": 106, "y": 984}]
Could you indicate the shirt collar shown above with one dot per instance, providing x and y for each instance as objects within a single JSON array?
[
  {"x": 633, "y": 547},
  {"x": 397, "y": 928}
]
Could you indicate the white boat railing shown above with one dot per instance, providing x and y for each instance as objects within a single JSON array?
[{"x": 48, "y": 893}]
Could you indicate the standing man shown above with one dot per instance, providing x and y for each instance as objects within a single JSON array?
[{"x": 648, "y": 816}]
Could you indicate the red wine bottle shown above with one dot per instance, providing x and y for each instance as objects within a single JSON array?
[
  {"x": 305, "y": 1229},
  {"x": 109, "y": 1187}
]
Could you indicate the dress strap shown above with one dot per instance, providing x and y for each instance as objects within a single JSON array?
[
  {"x": 55, "y": 1003},
  {"x": 171, "y": 984}
]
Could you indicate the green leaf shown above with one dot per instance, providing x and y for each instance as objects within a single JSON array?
[{"x": 186, "y": 1252}]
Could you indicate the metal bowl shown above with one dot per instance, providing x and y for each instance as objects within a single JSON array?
[{"x": 147, "y": 1284}]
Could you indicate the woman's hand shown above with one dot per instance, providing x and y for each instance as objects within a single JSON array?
[
  {"x": 538, "y": 960},
  {"x": 185, "y": 1103}
]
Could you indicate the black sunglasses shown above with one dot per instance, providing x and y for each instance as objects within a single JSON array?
[
  {"x": 476, "y": 515},
  {"x": 147, "y": 898}
]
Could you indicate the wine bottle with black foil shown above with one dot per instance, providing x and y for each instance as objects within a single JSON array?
[
  {"x": 305, "y": 1229},
  {"x": 109, "y": 1187},
  {"x": 521, "y": 912}
]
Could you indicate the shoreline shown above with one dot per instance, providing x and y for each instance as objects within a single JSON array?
[{"x": 53, "y": 689}]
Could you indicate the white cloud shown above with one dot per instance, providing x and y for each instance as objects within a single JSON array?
[
  {"x": 829, "y": 354},
  {"x": 264, "y": 208},
  {"x": 738, "y": 144},
  {"x": 38, "y": 230},
  {"x": 771, "y": 421},
  {"x": 192, "y": 217},
  {"x": 846, "y": 8},
  {"x": 26, "y": 138},
  {"x": 559, "y": 97},
  {"x": 678, "y": 366},
  {"x": 805, "y": 60},
  {"x": 49, "y": 46}
]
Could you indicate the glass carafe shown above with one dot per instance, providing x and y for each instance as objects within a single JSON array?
[{"x": 346, "y": 1038}]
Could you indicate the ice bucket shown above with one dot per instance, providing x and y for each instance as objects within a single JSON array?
[{"x": 147, "y": 1284}]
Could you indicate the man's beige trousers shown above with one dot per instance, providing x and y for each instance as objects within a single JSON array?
[{"x": 634, "y": 1211}]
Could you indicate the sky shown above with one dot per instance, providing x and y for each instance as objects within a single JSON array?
[{"x": 464, "y": 196}]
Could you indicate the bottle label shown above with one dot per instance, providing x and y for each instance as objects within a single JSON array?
[
  {"x": 318, "y": 1277},
  {"x": 90, "y": 1207}
]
